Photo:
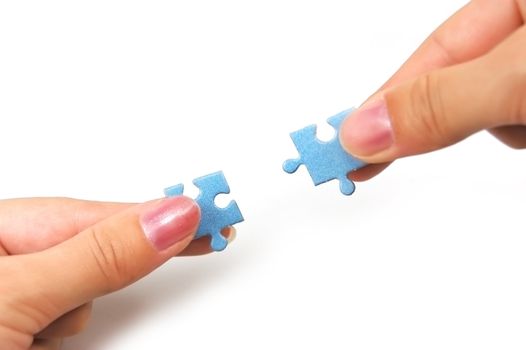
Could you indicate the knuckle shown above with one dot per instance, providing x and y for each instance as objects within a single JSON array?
[
  {"x": 445, "y": 52},
  {"x": 11, "y": 338},
  {"x": 427, "y": 109},
  {"x": 17, "y": 299},
  {"x": 108, "y": 257}
]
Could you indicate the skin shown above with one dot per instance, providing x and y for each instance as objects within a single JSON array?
[
  {"x": 468, "y": 76},
  {"x": 47, "y": 241}
]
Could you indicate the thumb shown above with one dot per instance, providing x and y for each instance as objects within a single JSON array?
[
  {"x": 433, "y": 111},
  {"x": 105, "y": 257}
]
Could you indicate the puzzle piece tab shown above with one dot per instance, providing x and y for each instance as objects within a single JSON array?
[
  {"x": 325, "y": 161},
  {"x": 213, "y": 218}
]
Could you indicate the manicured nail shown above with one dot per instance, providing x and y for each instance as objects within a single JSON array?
[
  {"x": 169, "y": 221},
  {"x": 368, "y": 130}
]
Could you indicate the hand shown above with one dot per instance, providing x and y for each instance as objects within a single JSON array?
[
  {"x": 469, "y": 75},
  {"x": 57, "y": 255}
]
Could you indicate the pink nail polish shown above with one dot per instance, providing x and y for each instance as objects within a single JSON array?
[
  {"x": 368, "y": 130},
  {"x": 170, "y": 221}
]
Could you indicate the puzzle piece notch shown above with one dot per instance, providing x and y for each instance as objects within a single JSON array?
[
  {"x": 213, "y": 218},
  {"x": 324, "y": 161}
]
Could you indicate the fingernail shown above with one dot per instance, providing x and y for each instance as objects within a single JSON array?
[
  {"x": 169, "y": 221},
  {"x": 232, "y": 235},
  {"x": 368, "y": 130}
]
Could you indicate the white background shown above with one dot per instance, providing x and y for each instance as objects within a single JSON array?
[{"x": 115, "y": 100}]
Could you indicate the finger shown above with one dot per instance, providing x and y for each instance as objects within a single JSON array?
[
  {"x": 471, "y": 32},
  {"x": 514, "y": 136},
  {"x": 201, "y": 245},
  {"x": 367, "y": 172},
  {"x": 68, "y": 324},
  {"x": 442, "y": 107},
  {"x": 46, "y": 344},
  {"x": 101, "y": 259},
  {"x": 29, "y": 225}
]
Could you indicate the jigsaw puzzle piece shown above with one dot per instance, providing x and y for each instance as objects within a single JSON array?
[
  {"x": 324, "y": 161},
  {"x": 213, "y": 218},
  {"x": 336, "y": 122},
  {"x": 173, "y": 191},
  {"x": 301, "y": 139}
]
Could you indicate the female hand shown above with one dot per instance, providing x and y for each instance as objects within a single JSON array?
[
  {"x": 58, "y": 254},
  {"x": 469, "y": 75}
]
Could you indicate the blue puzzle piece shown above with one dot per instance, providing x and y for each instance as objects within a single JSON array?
[
  {"x": 325, "y": 161},
  {"x": 213, "y": 218}
]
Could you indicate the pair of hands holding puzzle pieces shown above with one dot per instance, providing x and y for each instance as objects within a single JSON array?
[{"x": 324, "y": 161}]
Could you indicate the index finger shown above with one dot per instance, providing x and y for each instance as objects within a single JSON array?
[
  {"x": 471, "y": 32},
  {"x": 29, "y": 225}
]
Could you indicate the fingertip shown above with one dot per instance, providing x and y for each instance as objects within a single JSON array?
[
  {"x": 367, "y": 131},
  {"x": 201, "y": 246},
  {"x": 230, "y": 234},
  {"x": 367, "y": 172},
  {"x": 170, "y": 220}
]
